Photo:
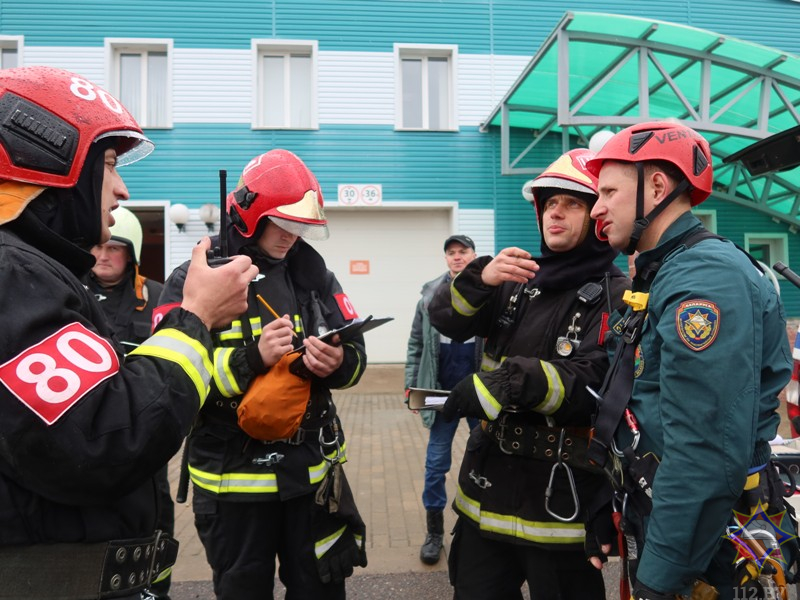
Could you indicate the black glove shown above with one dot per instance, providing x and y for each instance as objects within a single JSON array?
[
  {"x": 600, "y": 530},
  {"x": 338, "y": 562},
  {"x": 463, "y": 401},
  {"x": 642, "y": 592}
]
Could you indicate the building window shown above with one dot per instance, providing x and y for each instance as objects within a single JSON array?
[
  {"x": 286, "y": 84},
  {"x": 426, "y": 86},
  {"x": 10, "y": 51},
  {"x": 767, "y": 248},
  {"x": 141, "y": 77}
]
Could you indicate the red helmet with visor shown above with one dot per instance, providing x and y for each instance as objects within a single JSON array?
[
  {"x": 49, "y": 118},
  {"x": 278, "y": 185}
]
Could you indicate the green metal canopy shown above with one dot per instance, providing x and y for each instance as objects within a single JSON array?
[{"x": 600, "y": 71}]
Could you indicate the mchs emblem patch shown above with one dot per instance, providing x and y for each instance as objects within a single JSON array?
[{"x": 698, "y": 323}]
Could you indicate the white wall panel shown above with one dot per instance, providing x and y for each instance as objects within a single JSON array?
[
  {"x": 212, "y": 86},
  {"x": 84, "y": 60},
  {"x": 356, "y": 88},
  {"x": 479, "y": 225},
  {"x": 483, "y": 81}
]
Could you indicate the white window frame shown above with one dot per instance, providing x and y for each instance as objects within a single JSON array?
[
  {"x": 778, "y": 245},
  {"x": 708, "y": 217},
  {"x": 425, "y": 51},
  {"x": 285, "y": 48},
  {"x": 114, "y": 47},
  {"x": 15, "y": 42}
]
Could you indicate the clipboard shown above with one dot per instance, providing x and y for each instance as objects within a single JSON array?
[
  {"x": 426, "y": 399},
  {"x": 351, "y": 330}
]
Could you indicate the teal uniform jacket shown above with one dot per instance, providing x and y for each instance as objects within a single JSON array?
[{"x": 712, "y": 360}]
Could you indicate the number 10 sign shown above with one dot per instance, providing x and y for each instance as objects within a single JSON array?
[{"x": 366, "y": 194}]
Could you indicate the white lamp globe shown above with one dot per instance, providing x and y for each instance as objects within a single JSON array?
[{"x": 599, "y": 139}]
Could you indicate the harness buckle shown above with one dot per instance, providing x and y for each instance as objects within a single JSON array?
[
  {"x": 271, "y": 458},
  {"x": 480, "y": 480}
]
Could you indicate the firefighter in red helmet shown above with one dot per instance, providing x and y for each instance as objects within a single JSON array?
[
  {"x": 85, "y": 427},
  {"x": 528, "y": 502},
  {"x": 700, "y": 356},
  {"x": 261, "y": 490}
]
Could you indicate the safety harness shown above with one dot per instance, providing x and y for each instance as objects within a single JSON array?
[{"x": 632, "y": 474}]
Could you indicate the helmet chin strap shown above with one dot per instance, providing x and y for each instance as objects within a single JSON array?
[{"x": 641, "y": 223}]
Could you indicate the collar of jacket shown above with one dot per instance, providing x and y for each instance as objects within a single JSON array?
[{"x": 648, "y": 262}]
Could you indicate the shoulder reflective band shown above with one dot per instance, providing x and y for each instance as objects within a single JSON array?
[
  {"x": 223, "y": 377},
  {"x": 186, "y": 352}
]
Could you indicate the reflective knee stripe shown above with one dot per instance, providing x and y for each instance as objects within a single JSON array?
[
  {"x": 175, "y": 346},
  {"x": 223, "y": 377},
  {"x": 535, "y": 531},
  {"x": 356, "y": 372},
  {"x": 490, "y": 406},
  {"x": 555, "y": 390},
  {"x": 325, "y": 544},
  {"x": 460, "y": 304},
  {"x": 241, "y": 483}
]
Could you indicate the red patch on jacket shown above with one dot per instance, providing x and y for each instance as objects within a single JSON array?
[
  {"x": 51, "y": 376},
  {"x": 159, "y": 312},
  {"x": 347, "y": 308}
]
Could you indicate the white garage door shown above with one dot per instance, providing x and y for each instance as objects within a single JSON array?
[{"x": 382, "y": 256}]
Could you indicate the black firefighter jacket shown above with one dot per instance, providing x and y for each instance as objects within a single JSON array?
[
  {"x": 84, "y": 428},
  {"x": 226, "y": 463},
  {"x": 504, "y": 494}
]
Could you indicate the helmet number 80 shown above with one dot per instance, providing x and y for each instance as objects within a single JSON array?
[{"x": 87, "y": 91}]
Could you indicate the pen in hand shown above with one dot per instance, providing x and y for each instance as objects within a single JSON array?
[{"x": 272, "y": 310}]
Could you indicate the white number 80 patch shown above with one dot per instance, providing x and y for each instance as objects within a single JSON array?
[{"x": 51, "y": 376}]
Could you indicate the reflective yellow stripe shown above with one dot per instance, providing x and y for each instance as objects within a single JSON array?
[
  {"x": 459, "y": 303},
  {"x": 223, "y": 376},
  {"x": 489, "y": 364},
  {"x": 242, "y": 483},
  {"x": 175, "y": 346},
  {"x": 325, "y": 544},
  {"x": 513, "y": 526},
  {"x": 235, "y": 332},
  {"x": 555, "y": 390},
  {"x": 255, "y": 326},
  {"x": 357, "y": 370},
  {"x": 316, "y": 473},
  {"x": 490, "y": 406}
]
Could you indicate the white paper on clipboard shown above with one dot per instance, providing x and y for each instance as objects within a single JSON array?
[{"x": 426, "y": 399}]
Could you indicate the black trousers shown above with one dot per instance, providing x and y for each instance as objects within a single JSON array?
[
  {"x": 243, "y": 539},
  {"x": 485, "y": 569}
]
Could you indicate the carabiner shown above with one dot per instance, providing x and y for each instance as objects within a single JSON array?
[
  {"x": 570, "y": 478},
  {"x": 325, "y": 446}
]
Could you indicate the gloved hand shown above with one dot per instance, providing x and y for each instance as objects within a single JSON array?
[
  {"x": 642, "y": 592},
  {"x": 338, "y": 562},
  {"x": 600, "y": 535},
  {"x": 464, "y": 401}
]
